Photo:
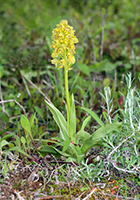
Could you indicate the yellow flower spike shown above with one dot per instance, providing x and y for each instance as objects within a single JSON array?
[
  {"x": 64, "y": 45},
  {"x": 63, "y": 56}
]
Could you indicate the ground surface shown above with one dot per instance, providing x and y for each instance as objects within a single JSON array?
[{"x": 41, "y": 180}]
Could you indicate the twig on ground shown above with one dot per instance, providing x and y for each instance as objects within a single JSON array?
[
  {"x": 28, "y": 91},
  {"x": 56, "y": 172},
  {"x": 3, "y": 107},
  {"x": 89, "y": 195},
  {"x": 119, "y": 196},
  {"x": 37, "y": 88},
  {"x": 114, "y": 163},
  {"x": 10, "y": 100},
  {"x": 52, "y": 174},
  {"x": 79, "y": 197},
  {"x": 120, "y": 169},
  {"x": 67, "y": 180},
  {"x": 49, "y": 197},
  {"x": 18, "y": 195},
  {"x": 33, "y": 175},
  {"x": 48, "y": 84},
  {"x": 136, "y": 168},
  {"x": 113, "y": 151}
]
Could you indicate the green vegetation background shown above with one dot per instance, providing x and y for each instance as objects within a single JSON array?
[{"x": 109, "y": 39}]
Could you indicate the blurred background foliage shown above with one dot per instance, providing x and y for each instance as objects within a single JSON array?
[{"x": 109, "y": 40}]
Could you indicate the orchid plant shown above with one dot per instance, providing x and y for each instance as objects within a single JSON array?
[{"x": 73, "y": 146}]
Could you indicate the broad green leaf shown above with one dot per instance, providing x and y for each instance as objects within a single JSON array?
[
  {"x": 93, "y": 114},
  {"x": 75, "y": 152},
  {"x": 83, "y": 135},
  {"x": 84, "y": 68},
  {"x": 47, "y": 149},
  {"x": 17, "y": 141},
  {"x": 39, "y": 112},
  {"x": 60, "y": 120},
  {"x": 6, "y": 137},
  {"x": 105, "y": 130},
  {"x": 25, "y": 123},
  {"x": 3, "y": 143},
  {"x": 32, "y": 118},
  {"x": 98, "y": 135},
  {"x": 71, "y": 151},
  {"x": 72, "y": 128},
  {"x": 85, "y": 122},
  {"x": 23, "y": 140},
  {"x": 65, "y": 145},
  {"x": 88, "y": 144}
]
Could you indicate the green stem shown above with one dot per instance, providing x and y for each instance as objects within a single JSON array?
[
  {"x": 67, "y": 88},
  {"x": 67, "y": 94}
]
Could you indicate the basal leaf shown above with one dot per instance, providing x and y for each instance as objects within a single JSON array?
[
  {"x": 85, "y": 122},
  {"x": 102, "y": 131},
  {"x": 98, "y": 135},
  {"x": 25, "y": 123},
  {"x": 93, "y": 114},
  {"x": 65, "y": 145},
  {"x": 83, "y": 135},
  {"x": 47, "y": 149},
  {"x": 59, "y": 119}
]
